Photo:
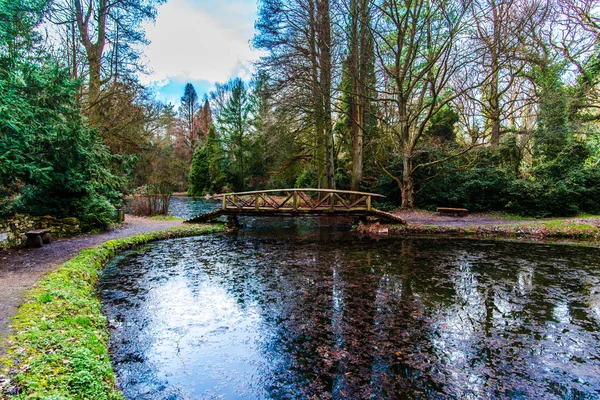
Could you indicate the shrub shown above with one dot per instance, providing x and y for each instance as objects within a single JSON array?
[
  {"x": 484, "y": 181},
  {"x": 199, "y": 177},
  {"x": 94, "y": 212},
  {"x": 150, "y": 200}
]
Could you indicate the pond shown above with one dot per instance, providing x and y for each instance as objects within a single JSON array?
[
  {"x": 189, "y": 207},
  {"x": 296, "y": 313}
]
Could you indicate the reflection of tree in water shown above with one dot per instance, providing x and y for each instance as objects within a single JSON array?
[
  {"x": 412, "y": 319},
  {"x": 507, "y": 334},
  {"x": 344, "y": 324}
]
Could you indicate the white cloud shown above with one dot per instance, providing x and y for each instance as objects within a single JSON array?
[{"x": 200, "y": 41}]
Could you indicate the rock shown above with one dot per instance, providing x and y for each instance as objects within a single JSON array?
[{"x": 12, "y": 228}]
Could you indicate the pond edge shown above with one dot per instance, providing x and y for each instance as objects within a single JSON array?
[
  {"x": 588, "y": 236},
  {"x": 59, "y": 345}
]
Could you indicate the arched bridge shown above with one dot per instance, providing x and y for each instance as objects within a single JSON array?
[{"x": 297, "y": 202}]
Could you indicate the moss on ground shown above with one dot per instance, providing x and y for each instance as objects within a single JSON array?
[
  {"x": 166, "y": 218},
  {"x": 551, "y": 229},
  {"x": 60, "y": 345}
]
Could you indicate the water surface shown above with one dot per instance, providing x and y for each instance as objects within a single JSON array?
[
  {"x": 277, "y": 314},
  {"x": 189, "y": 206}
]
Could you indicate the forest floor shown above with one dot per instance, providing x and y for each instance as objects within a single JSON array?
[
  {"x": 21, "y": 268},
  {"x": 423, "y": 217}
]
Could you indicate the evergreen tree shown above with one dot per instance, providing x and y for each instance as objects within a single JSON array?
[
  {"x": 205, "y": 120},
  {"x": 553, "y": 130},
  {"x": 50, "y": 162},
  {"x": 443, "y": 125},
  {"x": 188, "y": 112},
  {"x": 234, "y": 122},
  {"x": 200, "y": 172},
  {"x": 206, "y": 172}
]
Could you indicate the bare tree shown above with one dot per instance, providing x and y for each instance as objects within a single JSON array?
[
  {"x": 503, "y": 35},
  {"x": 417, "y": 47},
  {"x": 102, "y": 39},
  {"x": 297, "y": 35},
  {"x": 360, "y": 69},
  {"x": 574, "y": 33}
]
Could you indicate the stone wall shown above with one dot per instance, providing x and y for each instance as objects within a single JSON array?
[{"x": 12, "y": 229}]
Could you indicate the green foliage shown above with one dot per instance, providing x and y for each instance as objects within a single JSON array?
[
  {"x": 17, "y": 18},
  {"x": 206, "y": 173},
  {"x": 478, "y": 187},
  {"x": 50, "y": 162},
  {"x": 94, "y": 212},
  {"x": 443, "y": 124},
  {"x": 234, "y": 122},
  {"x": 307, "y": 179},
  {"x": 485, "y": 180},
  {"x": 200, "y": 172},
  {"x": 561, "y": 187},
  {"x": 60, "y": 349},
  {"x": 166, "y": 218},
  {"x": 553, "y": 131}
]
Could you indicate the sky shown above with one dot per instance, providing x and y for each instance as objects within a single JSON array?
[{"x": 201, "y": 42}]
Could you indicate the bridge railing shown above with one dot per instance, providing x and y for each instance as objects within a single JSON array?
[{"x": 298, "y": 199}]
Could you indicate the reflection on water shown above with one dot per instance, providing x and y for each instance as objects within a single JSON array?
[
  {"x": 189, "y": 207},
  {"x": 260, "y": 315}
]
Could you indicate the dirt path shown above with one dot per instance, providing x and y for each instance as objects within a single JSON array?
[
  {"x": 20, "y": 269},
  {"x": 422, "y": 217}
]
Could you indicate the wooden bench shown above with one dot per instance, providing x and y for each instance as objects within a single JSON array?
[
  {"x": 37, "y": 237},
  {"x": 459, "y": 212}
]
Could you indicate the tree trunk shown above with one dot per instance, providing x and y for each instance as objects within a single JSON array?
[
  {"x": 357, "y": 155},
  {"x": 494, "y": 109},
  {"x": 494, "y": 95},
  {"x": 324, "y": 45},
  {"x": 408, "y": 184},
  {"x": 95, "y": 65},
  {"x": 360, "y": 65},
  {"x": 319, "y": 142},
  {"x": 94, "y": 52},
  {"x": 356, "y": 109},
  {"x": 74, "y": 74}
]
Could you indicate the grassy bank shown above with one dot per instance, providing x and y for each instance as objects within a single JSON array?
[
  {"x": 59, "y": 348},
  {"x": 551, "y": 229}
]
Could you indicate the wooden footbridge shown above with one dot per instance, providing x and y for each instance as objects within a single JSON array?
[{"x": 297, "y": 203}]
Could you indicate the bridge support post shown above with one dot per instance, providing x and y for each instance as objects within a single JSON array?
[
  {"x": 295, "y": 200},
  {"x": 232, "y": 221}
]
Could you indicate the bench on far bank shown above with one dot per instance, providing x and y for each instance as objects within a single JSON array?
[
  {"x": 458, "y": 212},
  {"x": 37, "y": 237}
]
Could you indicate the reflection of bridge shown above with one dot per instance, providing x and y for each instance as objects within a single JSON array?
[{"x": 298, "y": 203}]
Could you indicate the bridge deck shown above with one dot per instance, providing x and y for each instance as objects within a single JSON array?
[{"x": 297, "y": 203}]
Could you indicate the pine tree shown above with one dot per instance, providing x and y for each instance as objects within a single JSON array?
[
  {"x": 200, "y": 172},
  {"x": 234, "y": 121},
  {"x": 205, "y": 119},
  {"x": 188, "y": 112},
  {"x": 50, "y": 162},
  {"x": 206, "y": 173}
]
